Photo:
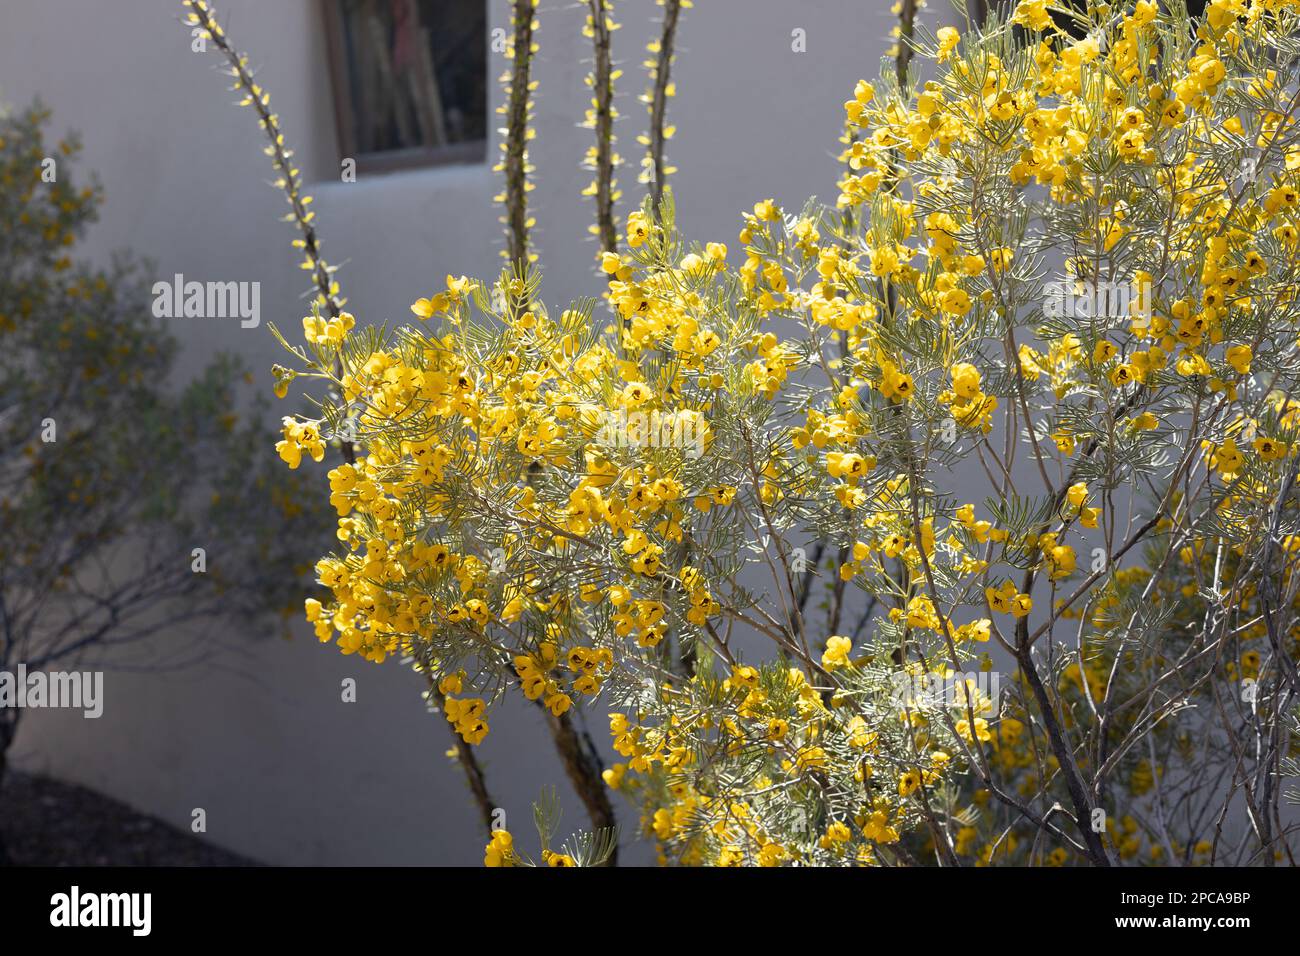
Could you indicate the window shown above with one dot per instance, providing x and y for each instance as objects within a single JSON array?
[{"x": 410, "y": 81}]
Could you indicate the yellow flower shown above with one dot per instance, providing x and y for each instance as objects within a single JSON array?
[
  {"x": 1032, "y": 14},
  {"x": 425, "y": 309},
  {"x": 638, "y": 229},
  {"x": 837, "y": 652},
  {"x": 1269, "y": 449},
  {"x": 948, "y": 39},
  {"x": 980, "y": 631},
  {"x": 1077, "y": 494},
  {"x": 955, "y": 302},
  {"x": 299, "y": 438},
  {"x": 772, "y": 854},
  {"x": 884, "y": 261},
  {"x": 908, "y": 783},
  {"x": 1239, "y": 356},
  {"x": 894, "y": 384},
  {"x": 501, "y": 850},
  {"x": 850, "y": 466},
  {"x": 613, "y": 776},
  {"x": 1001, "y": 598},
  {"x": 449, "y": 685},
  {"x": 921, "y": 613},
  {"x": 965, "y": 380},
  {"x": 1060, "y": 559},
  {"x": 1227, "y": 459}
]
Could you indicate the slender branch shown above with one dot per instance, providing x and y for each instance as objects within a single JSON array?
[
  {"x": 906, "y": 33},
  {"x": 660, "y": 73},
  {"x": 290, "y": 180},
  {"x": 601, "y": 118},
  {"x": 518, "y": 112}
]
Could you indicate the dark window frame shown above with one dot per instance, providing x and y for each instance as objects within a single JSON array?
[{"x": 471, "y": 152}]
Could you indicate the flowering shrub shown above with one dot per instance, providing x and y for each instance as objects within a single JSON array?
[
  {"x": 1023, "y": 399},
  {"x": 130, "y": 511},
  {"x": 103, "y": 460}
]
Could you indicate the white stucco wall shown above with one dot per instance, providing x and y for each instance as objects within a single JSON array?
[{"x": 259, "y": 739}]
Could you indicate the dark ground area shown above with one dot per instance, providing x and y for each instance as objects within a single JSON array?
[{"x": 49, "y": 823}]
